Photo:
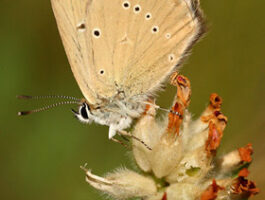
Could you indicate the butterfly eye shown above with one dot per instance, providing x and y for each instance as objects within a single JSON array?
[
  {"x": 83, "y": 112},
  {"x": 96, "y": 33},
  {"x": 137, "y": 9},
  {"x": 148, "y": 16},
  {"x": 155, "y": 29},
  {"x": 126, "y": 5}
]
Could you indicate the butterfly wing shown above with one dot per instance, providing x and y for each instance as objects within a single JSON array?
[
  {"x": 129, "y": 46},
  {"x": 158, "y": 36},
  {"x": 76, "y": 20}
]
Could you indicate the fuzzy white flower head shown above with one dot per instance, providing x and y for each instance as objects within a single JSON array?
[{"x": 180, "y": 163}]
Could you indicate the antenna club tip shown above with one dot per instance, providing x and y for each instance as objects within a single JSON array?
[
  {"x": 23, "y": 113},
  {"x": 23, "y": 97}
]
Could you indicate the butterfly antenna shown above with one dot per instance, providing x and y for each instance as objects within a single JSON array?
[
  {"x": 23, "y": 113},
  {"x": 26, "y": 97}
]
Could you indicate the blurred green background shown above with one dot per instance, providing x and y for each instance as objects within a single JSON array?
[{"x": 40, "y": 154}]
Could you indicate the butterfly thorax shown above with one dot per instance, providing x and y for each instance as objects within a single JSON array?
[{"x": 117, "y": 113}]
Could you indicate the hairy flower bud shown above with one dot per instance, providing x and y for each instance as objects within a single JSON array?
[{"x": 123, "y": 184}]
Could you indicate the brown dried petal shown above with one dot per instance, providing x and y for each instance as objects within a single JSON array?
[
  {"x": 211, "y": 192},
  {"x": 243, "y": 173},
  {"x": 245, "y": 153},
  {"x": 164, "y": 196},
  {"x": 244, "y": 187},
  {"x": 213, "y": 109},
  {"x": 183, "y": 88},
  {"x": 215, "y": 101},
  {"x": 175, "y": 119},
  {"x": 214, "y": 139},
  {"x": 221, "y": 120}
]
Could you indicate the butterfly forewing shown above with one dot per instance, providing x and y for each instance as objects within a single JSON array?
[
  {"x": 76, "y": 23},
  {"x": 125, "y": 45}
]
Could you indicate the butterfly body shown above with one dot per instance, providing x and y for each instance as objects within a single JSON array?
[
  {"x": 121, "y": 51},
  {"x": 117, "y": 114}
]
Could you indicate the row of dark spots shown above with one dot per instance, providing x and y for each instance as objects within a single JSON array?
[{"x": 137, "y": 8}]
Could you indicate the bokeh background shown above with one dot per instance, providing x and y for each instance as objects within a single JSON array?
[{"x": 40, "y": 154}]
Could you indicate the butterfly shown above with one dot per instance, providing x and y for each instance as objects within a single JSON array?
[{"x": 121, "y": 51}]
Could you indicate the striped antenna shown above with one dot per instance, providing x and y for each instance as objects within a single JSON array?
[
  {"x": 23, "y": 113},
  {"x": 47, "y": 97}
]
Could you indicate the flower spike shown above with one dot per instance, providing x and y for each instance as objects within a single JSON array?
[{"x": 182, "y": 163}]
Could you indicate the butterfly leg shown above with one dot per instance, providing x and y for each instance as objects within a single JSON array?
[
  {"x": 128, "y": 134},
  {"x": 119, "y": 142}
]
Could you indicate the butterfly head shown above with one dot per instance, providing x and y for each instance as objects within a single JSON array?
[
  {"x": 84, "y": 113},
  {"x": 84, "y": 110}
]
